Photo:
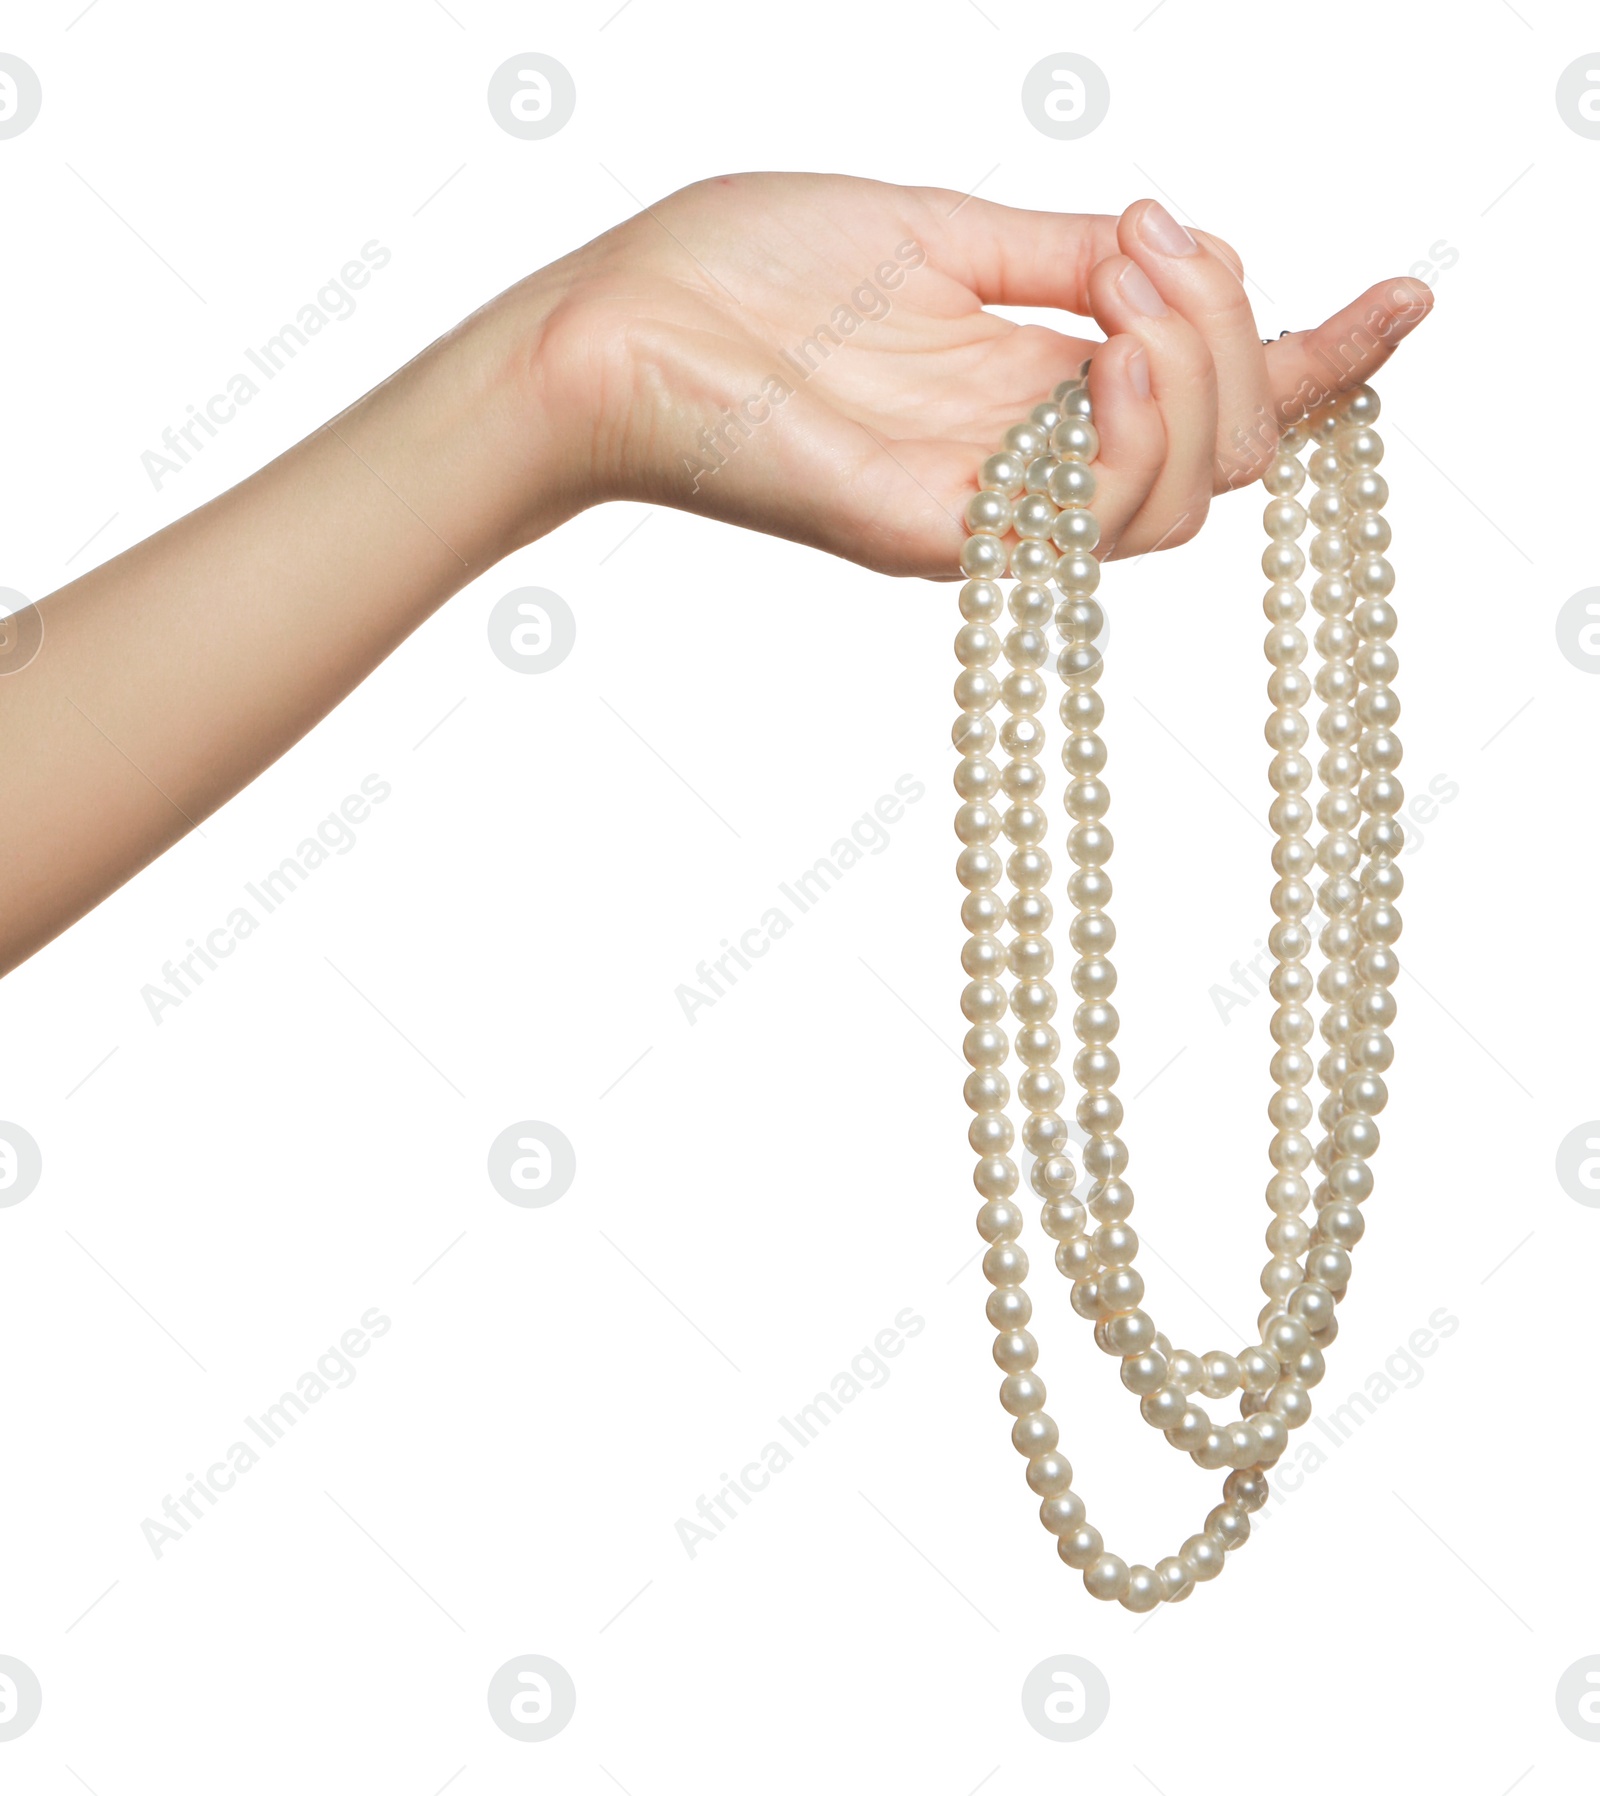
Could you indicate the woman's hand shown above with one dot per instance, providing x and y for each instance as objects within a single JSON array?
[{"x": 809, "y": 355}]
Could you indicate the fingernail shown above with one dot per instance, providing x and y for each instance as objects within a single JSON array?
[
  {"x": 1139, "y": 373},
  {"x": 1163, "y": 232},
  {"x": 1135, "y": 287}
]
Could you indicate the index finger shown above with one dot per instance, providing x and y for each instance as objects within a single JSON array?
[
  {"x": 1010, "y": 256},
  {"x": 1306, "y": 369}
]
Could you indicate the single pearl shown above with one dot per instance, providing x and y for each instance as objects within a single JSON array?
[
  {"x": 1048, "y": 1475},
  {"x": 1080, "y": 1546},
  {"x": 992, "y": 1135},
  {"x": 981, "y": 601},
  {"x": 1246, "y": 1490},
  {"x": 1360, "y": 406},
  {"x": 988, "y": 511},
  {"x": 1142, "y": 1591},
  {"x": 1021, "y": 1393},
  {"x": 1075, "y": 439},
  {"x": 1076, "y": 572},
  {"x": 1031, "y": 516},
  {"x": 1072, "y": 483},
  {"x": 972, "y": 734},
  {"x": 988, "y": 1090},
  {"x": 1202, "y": 1557},
  {"x": 1034, "y": 1433},
  {"x": 1144, "y": 1372},
  {"x": 1003, "y": 473},
  {"x": 1032, "y": 604},
  {"x": 1174, "y": 1577},
  {"x": 1131, "y": 1332},
  {"x": 1026, "y": 440},
  {"x": 1229, "y": 1524},
  {"x": 1163, "y": 1407},
  {"x": 999, "y": 1220},
  {"x": 1008, "y": 1307},
  {"x": 1062, "y": 1511},
  {"x": 1106, "y": 1577},
  {"x": 1221, "y": 1375},
  {"x": 1359, "y": 446},
  {"x": 1075, "y": 532},
  {"x": 976, "y": 777},
  {"x": 983, "y": 556},
  {"x": 1029, "y": 560}
]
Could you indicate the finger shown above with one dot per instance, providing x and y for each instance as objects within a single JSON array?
[
  {"x": 1184, "y": 385},
  {"x": 1008, "y": 256},
  {"x": 1205, "y": 291},
  {"x": 1308, "y": 368},
  {"x": 1222, "y": 249},
  {"x": 1133, "y": 440}
]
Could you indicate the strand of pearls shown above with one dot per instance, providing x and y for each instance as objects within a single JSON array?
[{"x": 1038, "y": 492}]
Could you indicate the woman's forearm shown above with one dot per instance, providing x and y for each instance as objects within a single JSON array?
[{"x": 170, "y": 677}]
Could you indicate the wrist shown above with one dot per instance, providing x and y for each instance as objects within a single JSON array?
[{"x": 471, "y": 436}]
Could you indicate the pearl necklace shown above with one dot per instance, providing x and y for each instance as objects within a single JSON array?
[{"x": 1041, "y": 486}]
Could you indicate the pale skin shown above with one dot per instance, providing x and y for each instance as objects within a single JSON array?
[{"x": 172, "y": 675}]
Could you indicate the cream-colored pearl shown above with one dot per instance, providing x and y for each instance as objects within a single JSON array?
[
  {"x": 1003, "y": 473},
  {"x": 1106, "y": 1577},
  {"x": 1142, "y": 1591},
  {"x": 1080, "y": 1546},
  {"x": 989, "y": 511},
  {"x": 1202, "y": 1557},
  {"x": 1061, "y": 1512},
  {"x": 1174, "y": 1577},
  {"x": 983, "y": 556},
  {"x": 1049, "y": 1474}
]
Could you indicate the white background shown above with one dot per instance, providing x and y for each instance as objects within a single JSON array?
[{"x": 763, "y": 1191}]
